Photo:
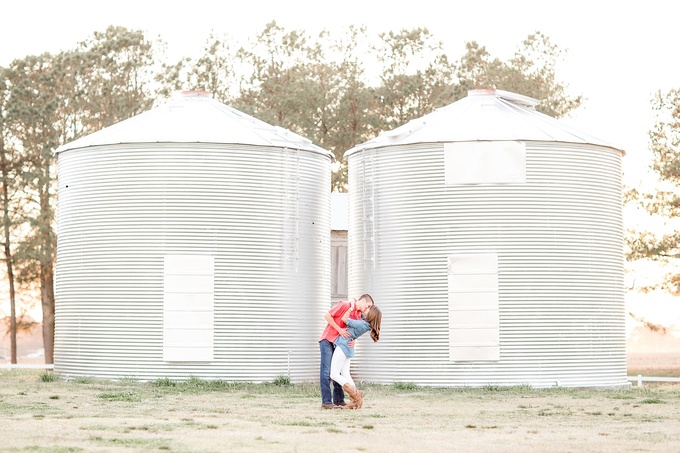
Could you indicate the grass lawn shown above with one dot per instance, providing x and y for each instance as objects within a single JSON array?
[{"x": 40, "y": 412}]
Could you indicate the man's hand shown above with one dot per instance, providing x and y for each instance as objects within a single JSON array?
[
  {"x": 351, "y": 343},
  {"x": 344, "y": 333}
]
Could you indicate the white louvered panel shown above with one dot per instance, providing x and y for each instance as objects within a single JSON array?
[
  {"x": 188, "y": 308},
  {"x": 128, "y": 206},
  {"x": 559, "y": 242}
]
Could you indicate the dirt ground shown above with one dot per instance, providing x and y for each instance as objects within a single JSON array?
[{"x": 89, "y": 415}]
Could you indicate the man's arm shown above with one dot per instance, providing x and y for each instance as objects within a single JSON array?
[
  {"x": 331, "y": 321},
  {"x": 345, "y": 316}
]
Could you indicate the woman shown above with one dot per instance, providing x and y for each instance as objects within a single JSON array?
[{"x": 343, "y": 353}]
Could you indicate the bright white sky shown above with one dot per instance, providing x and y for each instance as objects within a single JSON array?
[{"x": 618, "y": 53}]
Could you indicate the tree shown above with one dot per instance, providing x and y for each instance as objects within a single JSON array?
[
  {"x": 531, "y": 72},
  {"x": 310, "y": 85},
  {"x": 274, "y": 64},
  {"x": 114, "y": 71},
  {"x": 213, "y": 71},
  {"x": 54, "y": 99},
  {"x": 31, "y": 115},
  {"x": 357, "y": 117},
  {"x": 8, "y": 178},
  {"x": 318, "y": 86},
  {"x": 665, "y": 202},
  {"x": 416, "y": 78}
]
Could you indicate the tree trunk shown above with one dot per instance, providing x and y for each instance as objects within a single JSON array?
[
  {"x": 8, "y": 252},
  {"x": 12, "y": 300},
  {"x": 47, "y": 292}
]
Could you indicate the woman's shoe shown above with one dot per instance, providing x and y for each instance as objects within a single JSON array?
[{"x": 354, "y": 395}]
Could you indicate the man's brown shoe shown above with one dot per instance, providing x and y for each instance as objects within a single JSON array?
[
  {"x": 328, "y": 406},
  {"x": 341, "y": 404}
]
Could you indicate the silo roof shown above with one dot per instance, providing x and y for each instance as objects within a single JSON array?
[
  {"x": 194, "y": 117},
  {"x": 484, "y": 115}
]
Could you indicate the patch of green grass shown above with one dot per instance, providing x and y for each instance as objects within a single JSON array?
[
  {"x": 149, "y": 428},
  {"x": 306, "y": 423},
  {"x": 32, "y": 407},
  {"x": 164, "y": 382},
  {"x": 129, "y": 397},
  {"x": 128, "y": 380},
  {"x": 44, "y": 449},
  {"x": 98, "y": 428},
  {"x": 194, "y": 384},
  {"x": 48, "y": 376},
  {"x": 282, "y": 381},
  {"x": 367, "y": 426},
  {"x": 518, "y": 389},
  {"x": 622, "y": 396},
  {"x": 405, "y": 386},
  {"x": 334, "y": 430},
  {"x": 652, "y": 401},
  {"x": 146, "y": 444},
  {"x": 83, "y": 380}
]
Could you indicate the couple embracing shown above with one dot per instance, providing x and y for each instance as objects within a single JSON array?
[{"x": 347, "y": 321}]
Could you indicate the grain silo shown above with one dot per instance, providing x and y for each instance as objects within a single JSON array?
[
  {"x": 193, "y": 240},
  {"x": 491, "y": 235}
]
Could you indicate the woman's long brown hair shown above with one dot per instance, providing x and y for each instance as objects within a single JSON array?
[{"x": 374, "y": 318}]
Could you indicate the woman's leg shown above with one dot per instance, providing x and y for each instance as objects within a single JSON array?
[
  {"x": 345, "y": 372},
  {"x": 340, "y": 374},
  {"x": 337, "y": 365}
]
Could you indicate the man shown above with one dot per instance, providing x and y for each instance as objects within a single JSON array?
[{"x": 334, "y": 328}]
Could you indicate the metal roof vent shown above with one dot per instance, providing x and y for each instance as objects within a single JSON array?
[{"x": 519, "y": 99}]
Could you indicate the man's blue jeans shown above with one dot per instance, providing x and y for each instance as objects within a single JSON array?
[{"x": 326, "y": 348}]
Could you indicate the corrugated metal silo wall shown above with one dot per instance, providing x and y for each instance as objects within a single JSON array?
[
  {"x": 559, "y": 241},
  {"x": 262, "y": 213}
]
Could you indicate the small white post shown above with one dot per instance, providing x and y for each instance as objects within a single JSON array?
[{"x": 639, "y": 380}]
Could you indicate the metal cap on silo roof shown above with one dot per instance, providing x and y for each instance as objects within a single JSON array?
[
  {"x": 194, "y": 117},
  {"x": 485, "y": 114}
]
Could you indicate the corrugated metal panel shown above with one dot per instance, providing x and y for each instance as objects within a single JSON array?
[
  {"x": 262, "y": 213},
  {"x": 482, "y": 115},
  {"x": 559, "y": 241}
]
